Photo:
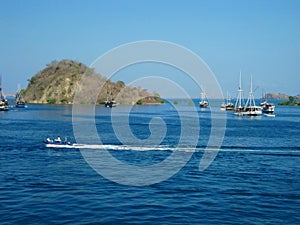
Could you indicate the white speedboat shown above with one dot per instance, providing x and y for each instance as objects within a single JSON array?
[{"x": 58, "y": 143}]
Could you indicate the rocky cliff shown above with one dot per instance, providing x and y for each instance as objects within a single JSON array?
[{"x": 276, "y": 96}]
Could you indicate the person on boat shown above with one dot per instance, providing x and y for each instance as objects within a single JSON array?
[
  {"x": 58, "y": 139},
  {"x": 48, "y": 140}
]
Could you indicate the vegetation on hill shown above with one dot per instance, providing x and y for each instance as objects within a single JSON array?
[
  {"x": 293, "y": 101},
  {"x": 60, "y": 80}
]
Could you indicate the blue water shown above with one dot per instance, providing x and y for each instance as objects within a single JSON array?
[{"x": 253, "y": 180}]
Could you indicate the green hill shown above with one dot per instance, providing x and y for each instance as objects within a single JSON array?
[
  {"x": 58, "y": 82},
  {"x": 293, "y": 101}
]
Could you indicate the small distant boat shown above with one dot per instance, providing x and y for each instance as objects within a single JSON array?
[
  {"x": 228, "y": 105},
  {"x": 203, "y": 103},
  {"x": 58, "y": 143},
  {"x": 4, "y": 106},
  {"x": 250, "y": 108},
  {"x": 110, "y": 103},
  {"x": 20, "y": 102}
]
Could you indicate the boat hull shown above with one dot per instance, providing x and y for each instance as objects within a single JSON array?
[
  {"x": 58, "y": 144},
  {"x": 4, "y": 108},
  {"x": 203, "y": 104},
  {"x": 268, "y": 110},
  {"x": 249, "y": 111},
  {"x": 20, "y": 105},
  {"x": 49, "y": 145}
]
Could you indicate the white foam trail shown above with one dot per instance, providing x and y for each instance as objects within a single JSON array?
[
  {"x": 129, "y": 147},
  {"x": 170, "y": 148}
]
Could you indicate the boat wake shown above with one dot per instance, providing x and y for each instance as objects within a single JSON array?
[
  {"x": 233, "y": 149},
  {"x": 131, "y": 148}
]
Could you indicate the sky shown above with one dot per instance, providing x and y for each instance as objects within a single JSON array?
[{"x": 258, "y": 37}]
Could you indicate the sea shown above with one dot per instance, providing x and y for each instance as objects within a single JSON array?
[{"x": 131, "y": 178}]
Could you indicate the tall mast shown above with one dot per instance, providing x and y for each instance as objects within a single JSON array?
[
  {"x": 239, "y": 99},
  {"x": 228, "y": 98},
  {"x": 252, "y": 94},
  {"x": 240, "y": 90},
  {"x": 203, "y": 94},
  {"x": 250, "y": 101},
  {"x": 19, "y": 96},
  {"x": 107, "y": 90}
]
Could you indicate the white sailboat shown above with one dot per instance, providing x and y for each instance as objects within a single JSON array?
[
  {"x": 20, "y": 102},
  {"x": 203, "y": 103},
  {"x": 227, "y": 105},
  {"x": 250, "y": 108},
  {"x": 110, "y": 102}
]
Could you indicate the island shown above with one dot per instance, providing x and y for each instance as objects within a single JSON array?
[{"x": 58, "y": 82}]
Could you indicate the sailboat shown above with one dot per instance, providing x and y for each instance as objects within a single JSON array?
[
  {"x": 109, "y": 103},
  {"x": 203, "y": 103},
  {"x": 20, "y": 102},
  {"x": 3, "y": 101},
  {"x": 250, "y": 108},
  {"x": 227, "y": 105}
]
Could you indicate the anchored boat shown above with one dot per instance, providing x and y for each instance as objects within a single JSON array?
[
  {"x": 3, "y": 101},
  {"x": 267, "y": 107},
  {"x": 227, "y": 105},
  {"x": 203, "y": 103},
  {"x": 250, "y": 108},
  {"x": 20, "y": 102}
]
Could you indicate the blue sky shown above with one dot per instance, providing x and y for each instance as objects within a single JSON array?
[{"x": 261, "y": 38}]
